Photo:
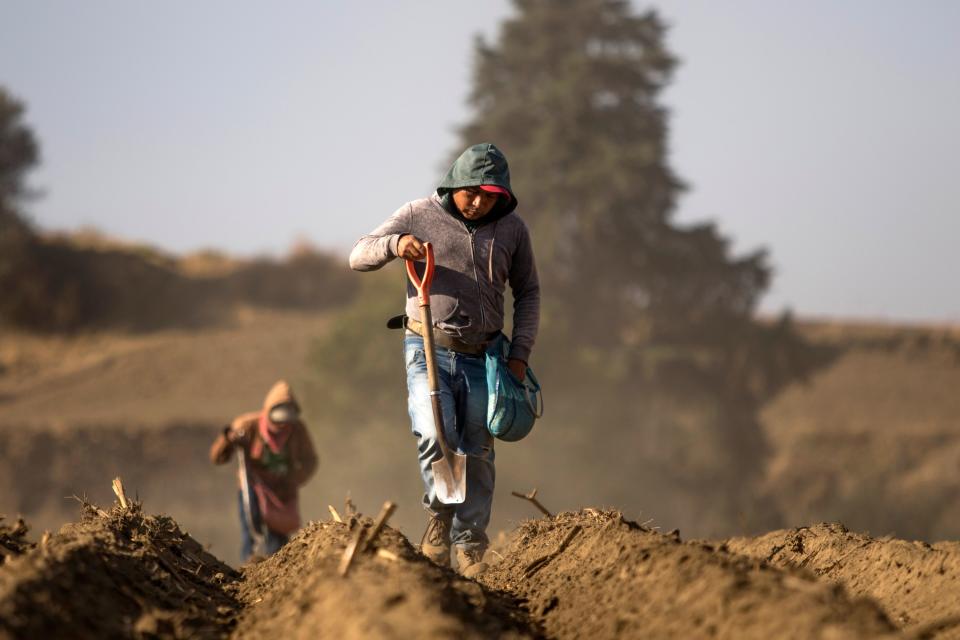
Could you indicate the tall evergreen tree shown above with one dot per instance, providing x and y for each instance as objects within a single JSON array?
[
  {"x": 18, "y": 154},
  {"x": 570, "y": 92},
  {"x": 656, "y": 317}
]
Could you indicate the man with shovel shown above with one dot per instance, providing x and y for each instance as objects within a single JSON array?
[
  {"x": 276, "y": 457},
  {"x": 479, "y": 245}
]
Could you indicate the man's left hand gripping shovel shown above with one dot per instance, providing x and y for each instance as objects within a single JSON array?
[{"x": 450, "y": 472}]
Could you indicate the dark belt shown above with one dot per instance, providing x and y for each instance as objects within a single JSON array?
[{"x": 447, "y": 341}]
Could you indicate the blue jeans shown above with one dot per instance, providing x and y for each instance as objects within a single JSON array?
[
  {"x": 272, "y": 541},
  {"x": 463, "y": 397}
]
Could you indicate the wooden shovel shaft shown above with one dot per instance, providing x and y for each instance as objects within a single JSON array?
[
  {"x": 433, "y": 378},
  {"x": 449, "y": 473},
  {"x": 246, "y": 491}
]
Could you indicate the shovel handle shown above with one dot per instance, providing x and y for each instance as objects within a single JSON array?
[
  {"x": 426, "y": 318},
  {"x": 256, "y": 532},
  {"x": 422, "y": 286}
]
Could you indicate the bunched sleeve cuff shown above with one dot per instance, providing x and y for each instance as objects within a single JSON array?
[{"x": 519, "y": 352}]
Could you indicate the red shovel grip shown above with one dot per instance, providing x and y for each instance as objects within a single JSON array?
[{"x": 422, "y": 287}]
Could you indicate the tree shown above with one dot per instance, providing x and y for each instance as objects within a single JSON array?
[
  {"x": 570, "y": 92},
  {"x": 19, "y": 153},
  {"x": 635, "y": 302}
]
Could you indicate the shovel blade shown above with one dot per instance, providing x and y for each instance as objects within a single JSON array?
[{"x": 450, "y": 478}]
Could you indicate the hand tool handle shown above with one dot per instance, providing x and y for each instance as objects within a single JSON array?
[
  {"x": 422, "y": 287},
  {"x": 433, "y": 379},
  {"x": 246, "y": 491},
  {"x": 426, "y": 318}
]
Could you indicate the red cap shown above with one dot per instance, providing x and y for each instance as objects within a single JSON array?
[{"x": 492, "y": 188}]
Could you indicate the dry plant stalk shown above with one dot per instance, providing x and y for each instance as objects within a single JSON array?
[
  {"x": 88, "y": 505},
  {"x": 541, "y": 562},
  {"x": 334, "y": 514},
  {"x": 387, "y": 555},
  {"x": 362, "y": 538},
  {"x": 350, "y": 552},
  {"x": 532, "y": 499},
  {"x": 121, "y": 495},
  {"x": 385, "y": 512}
]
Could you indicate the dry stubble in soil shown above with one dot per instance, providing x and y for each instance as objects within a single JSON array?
[
  {"x": 584, "y": 574},
  {"x": 13, "y": 540},
  {"x": 616, "y": 579},
  {"x": 116, "y": 574},
  {"x": 917, "y": 583},
  {"x": 298, "y": 593}
]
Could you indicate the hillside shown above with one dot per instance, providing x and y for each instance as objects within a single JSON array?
[
  {"x": 874, "y": 439},
  {"x": 85, "y": 281}
]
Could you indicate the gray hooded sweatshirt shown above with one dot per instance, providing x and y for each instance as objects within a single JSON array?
[{"x": 474, "y": 259}]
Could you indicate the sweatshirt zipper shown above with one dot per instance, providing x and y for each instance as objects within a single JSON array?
[{"x": 476, "y": 275}]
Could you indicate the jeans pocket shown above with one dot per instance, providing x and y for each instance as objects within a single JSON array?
[{"x": 415, "y": 357}]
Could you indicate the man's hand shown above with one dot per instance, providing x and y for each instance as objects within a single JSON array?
[
  {"x": 232, "y": 435},
  {"x": 518, "y": 368},
  {"x": 410, "y": 248}
]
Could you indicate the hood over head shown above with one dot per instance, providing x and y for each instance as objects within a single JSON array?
[
  {"x": 482, "y": 164},
  {"x": 280, "y": 393}
]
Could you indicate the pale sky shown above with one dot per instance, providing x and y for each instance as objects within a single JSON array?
[{"x": 825, "y": 131}]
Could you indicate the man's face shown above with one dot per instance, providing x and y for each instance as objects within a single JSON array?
[{"x": 474, "y": 202}]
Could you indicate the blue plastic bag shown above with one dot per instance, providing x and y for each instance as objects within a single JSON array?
[{"x": 512, "y": 406}]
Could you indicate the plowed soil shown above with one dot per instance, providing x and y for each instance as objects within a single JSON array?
[
  {"x": 617, "y": 579},
  {"x": 13, "y": 540},
  {"x": 590, "y": 573},
  {"x": 298, "y": 593},
  {"x": 116, "y": 574},
  {"x": 918, "y": 584}
]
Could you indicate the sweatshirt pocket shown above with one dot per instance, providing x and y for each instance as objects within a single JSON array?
[{"x": 445, "y": 309}]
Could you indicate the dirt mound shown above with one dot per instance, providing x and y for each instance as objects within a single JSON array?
[
  {"x": 13, "y": 540},
  {"x": 917, "y": 583},
  {"x": 116, "y": 574},
  {"x": 618, "y": 579},
  {"x": 583, "y": 574},
  {"x": 298, "y": 593},
  {"x": 167, "y": 467}
]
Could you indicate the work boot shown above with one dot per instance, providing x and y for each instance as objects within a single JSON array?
[
  {"x": 470, "y": 562},
  {"x": 436, "y": 540}
]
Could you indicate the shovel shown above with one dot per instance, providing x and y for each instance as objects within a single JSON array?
[
  {"x": 246, "y": 491},
  {"x": 450, "y": 472}
]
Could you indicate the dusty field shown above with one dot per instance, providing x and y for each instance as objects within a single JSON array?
[
  {"x": 76, "y": 409},
  {"x": 151, "y": 380},
  {"x": 918, "y": 584},
  {"x": 874, "y": 439},
  {"x": 120, "y": 573}
]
